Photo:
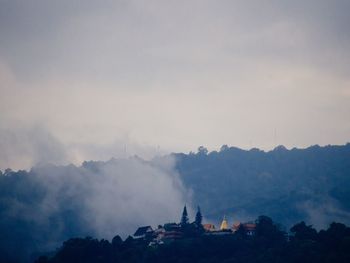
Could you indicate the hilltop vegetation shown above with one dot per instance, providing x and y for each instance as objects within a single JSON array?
[
  {"x": 311, "y": 184},
  {"x": 42, "y": 207},
  {"x": 270, "y": 244}
]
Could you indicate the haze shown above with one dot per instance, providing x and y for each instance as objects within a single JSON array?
[{"x": 96, "y": 79}]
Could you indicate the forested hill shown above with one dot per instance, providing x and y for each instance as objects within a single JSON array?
[
  {"x": 42, "y": 207},
  {"x": 270, "y": 244},
  {"x": 311, "y": 184}
]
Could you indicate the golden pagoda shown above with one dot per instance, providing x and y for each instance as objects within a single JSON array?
[{"x": 224, "y": 224}]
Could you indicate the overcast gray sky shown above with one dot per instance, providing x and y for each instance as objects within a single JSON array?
[{"x": 172, "y": 75}]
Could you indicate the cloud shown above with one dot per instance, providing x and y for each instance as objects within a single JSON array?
[
  {"x": 24, "y": 146},
  {"x": 323, "y": 211},
  {"x": 21, "y": 148},
  {"x": 50, "y": 203},
  {"x": 117, "y": 195},
  {"x": 178, "y": 74}
]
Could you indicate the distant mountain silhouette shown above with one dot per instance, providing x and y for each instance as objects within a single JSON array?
[
  {"x": 48, "y": 204},
  {"x": 311, "y": 184}
]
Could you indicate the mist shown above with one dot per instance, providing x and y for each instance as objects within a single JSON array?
[
  {"x": 50, "y": 204},
  {"x": 178, "y": 74},
  {"x": 127, "y": 83},
  {"x": 24, "y": 146}
]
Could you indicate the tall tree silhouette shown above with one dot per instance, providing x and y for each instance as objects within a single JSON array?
[
  {"x": 198, "y": 220},
  {"x": 184, "y": 218}
]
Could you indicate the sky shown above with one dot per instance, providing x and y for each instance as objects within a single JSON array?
[{"x": 83, "y": 80}]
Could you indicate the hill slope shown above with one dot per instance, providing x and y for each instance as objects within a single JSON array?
[{"x": 310, "y": 184}]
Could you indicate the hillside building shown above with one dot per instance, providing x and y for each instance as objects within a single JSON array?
[
  {"x": 248, "y": 227},
  {"x": 209, "y": 227},
  {"x": 143, "y": 232}
]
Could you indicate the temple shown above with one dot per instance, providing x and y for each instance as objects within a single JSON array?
[
  {"x": 173, "y": 231},
  {"x": 224, "y": 224}
]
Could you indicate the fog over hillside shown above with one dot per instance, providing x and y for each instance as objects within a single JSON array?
[
  {"x": 309, "y": 184},
  {"x": 104, "y": 103},
  {"x": 41, "y": 208},
  {"x": 48, "y": 204}
]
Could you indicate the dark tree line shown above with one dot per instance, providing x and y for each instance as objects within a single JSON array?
[
  {"x": 270, "y": 244},
  {"x": 280, "y": 183}
]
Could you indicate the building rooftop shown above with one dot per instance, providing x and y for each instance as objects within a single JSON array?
[{"x": 143, "y": 231}]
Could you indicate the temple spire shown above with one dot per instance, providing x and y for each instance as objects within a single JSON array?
[{"x": 224, "y": 224}]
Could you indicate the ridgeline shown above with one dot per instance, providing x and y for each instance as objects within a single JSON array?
[
  {"x": 311, "y": 184},
  {"x": 268, "y": 244}
]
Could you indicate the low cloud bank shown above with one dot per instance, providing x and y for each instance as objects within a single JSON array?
[
  {"x": 24, "y": 147},
  {"x": 43, "y": 207}
]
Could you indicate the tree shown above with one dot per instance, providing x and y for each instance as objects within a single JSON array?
[
  {"x": 337, "y": 230},
  {"x": 303, "y": 232},
  {"x": 117, "y": 241},
  {"x": 128, "y": 242},
  {"x": 202, "y": 150},
  {"x": 8, "y": 172},
  {"x": 266, "y": 228},
  {"x": 241, "y": 232},
  {"x": 199, "y": 217},
  {"x": 224, "y": 148},
  {"x": 184, "y": 218}
]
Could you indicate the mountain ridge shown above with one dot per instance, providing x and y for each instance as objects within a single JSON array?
[
  {"x": 268, "y": 182},
  {"x": 50, "y": 203}
]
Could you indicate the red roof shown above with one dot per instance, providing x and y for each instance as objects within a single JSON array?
[
  {"x": 247, "y": 226},
  {"x": 250, "y": 226},
  {"x": 208, "y": 227}
]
